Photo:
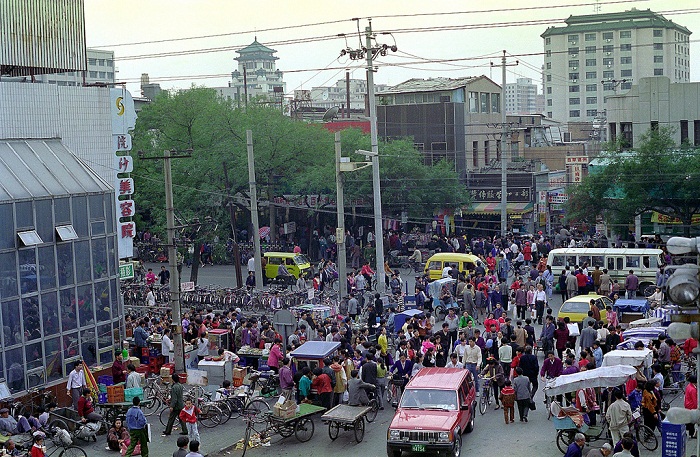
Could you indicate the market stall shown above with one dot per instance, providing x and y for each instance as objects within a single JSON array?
[{"x": 313, "y": 352}]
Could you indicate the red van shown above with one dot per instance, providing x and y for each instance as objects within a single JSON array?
[{"x": 437, "y": 406}]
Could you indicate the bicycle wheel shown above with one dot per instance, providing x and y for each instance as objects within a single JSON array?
[
  {"x": 246, "y": 437},
  {"x": 256, "y": 407},
  {"x": 59, "y": 423},
  {"x": 564, "y": 439},
  {"x": 359, "y": 427},
  {"x": 484, "y": 401},
  {"x": 226, "y": 411},
  {"x": 304, "y": 429},
  {"x": 151, "y": 406},
  {"x": 333, "y": 430},
  {"x": 647, "y": 437},
  {"x": 73, "y": 451},
  {"x": 374, "y": 407},
  {"x": 210, "y": 415},
  {"x": 163, "y": 416},
  {"x": 236, "y": 406}
]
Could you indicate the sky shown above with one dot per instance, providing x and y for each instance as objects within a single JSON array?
[{"x": 464, "y": 37}]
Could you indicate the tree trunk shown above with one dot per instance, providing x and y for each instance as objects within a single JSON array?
[
  {"x": 273, "y": 223},
  {"x": 195, "y": 262}
]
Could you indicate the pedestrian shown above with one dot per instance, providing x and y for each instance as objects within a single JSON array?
[
  {"x": 575, "y": 448},
  {"x": 627, "y": 444},
  {"x": 133, "y": 379},
  {"x": 194, "y": 450},
  {"x": 494, "y": 372},
  {"x": 117, "y": 435},
  {"x": 182, "y": 442},
  {"x": 650, "y": 405},
  {"x": 188, "y": 415},
  {"x": 164, "y": 275},
  {"x": 604, "y": 451},
  {"x": 507, "y": 398},
  {"x": 38, "y": 449},
  {"x": 631, "y": 285},
  {"x": 76, "y": 383},
  {"x": 176, "y": 404},
  {"x": 138, "y": 429},
  {"x": 118, "y": 368},
  {"x": 321, "y": 383},
  {"x": 691, "y": 402},
  {"x": 286, "y": 379},
  {"x": 523, "y": 393},
  {"x": 618, "y": 415}
]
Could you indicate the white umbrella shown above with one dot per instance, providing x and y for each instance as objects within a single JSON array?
[{"x": 600, "y": 377}]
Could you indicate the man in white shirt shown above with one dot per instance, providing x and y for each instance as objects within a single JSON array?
[
  {"x": 76, "y": 383},
  {"x": 454, "y": 363},
  {"x": 472, "y": 360},
  {"x": 166, "y": 346},
  {"x": 133, "y": 379},
  {"x": 251, "y": 264}
]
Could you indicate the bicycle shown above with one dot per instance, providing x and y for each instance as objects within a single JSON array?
[
  {"x": 643, "y": 433},
  {"x": 396, "y": 383},
  {"x": 61, "y": 441},
  {"x": 374, "y": 404},
  {"x": 485, "y": 399},
  {"x": 251, "y": 420}
]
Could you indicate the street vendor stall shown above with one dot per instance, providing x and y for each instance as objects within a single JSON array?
[
  {"x": 313, "y": 352},
  {"x": 401, "y": 318},
  {"x": 631, "y": 358}
]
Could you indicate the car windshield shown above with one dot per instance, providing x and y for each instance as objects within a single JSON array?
[
  {"x": 301, "y": 259},
  {"x": 576, "y": 307},
  {"x": 429, "y": 399}
]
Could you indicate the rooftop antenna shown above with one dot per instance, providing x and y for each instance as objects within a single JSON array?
[{"x": 596, "y": 7}]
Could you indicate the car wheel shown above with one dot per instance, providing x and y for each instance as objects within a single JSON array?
[
  {"x": 470, "y": 425},
  {"x": 457, "y": 448}
]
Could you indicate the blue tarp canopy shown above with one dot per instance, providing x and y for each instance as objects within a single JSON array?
[
  {"x": 631, "y": 305},
  {"x": 315, "y": 350}
]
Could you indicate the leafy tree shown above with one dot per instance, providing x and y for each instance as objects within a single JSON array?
[{"x": 657, "y": 176}]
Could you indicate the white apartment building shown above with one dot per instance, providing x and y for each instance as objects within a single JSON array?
[
  {"x": 329, "y": 96},
  {"x": 100, "y": 70},
  {"x": 521, "y": 97},
  {"x": 599, "y": 55}
]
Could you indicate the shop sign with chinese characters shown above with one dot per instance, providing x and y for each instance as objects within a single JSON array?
[{"x": 123, "y": 120}]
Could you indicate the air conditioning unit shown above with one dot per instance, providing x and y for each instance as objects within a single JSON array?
[
  {"x": 609, "y": 66},
  {"x": 608, "y": 53},
  {"x": 608, "y": 40},
  {"x": 574, "y": 80}
]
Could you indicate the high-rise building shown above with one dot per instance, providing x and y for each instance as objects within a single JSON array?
[
  {"x": 521, "y": 97},
  {"x": 329, "y": 96},
  {"x": 261, "y": 74},
  {"x": 595, "y": 56}
]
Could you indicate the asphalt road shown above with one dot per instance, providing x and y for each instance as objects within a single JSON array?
[{"x": 491, "y": 434}]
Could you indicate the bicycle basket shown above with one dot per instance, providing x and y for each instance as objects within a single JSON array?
[
  {"x": 485, "y": 383},
  {"x": 64, "y": 437}
]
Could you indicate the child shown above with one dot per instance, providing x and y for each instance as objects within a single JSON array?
[
  {"x": 38, "y": 449},
  {"x": 508, "y": 400},
  {"x": 225, "y": 389},
  {"x": 189, "y": 416},
  {"x": 194, "y": 450}
]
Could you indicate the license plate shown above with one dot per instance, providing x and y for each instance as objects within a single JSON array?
[{"x": 418, "y": 447}]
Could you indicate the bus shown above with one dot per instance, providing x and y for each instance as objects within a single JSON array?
[{"x": 618, "y": 261}]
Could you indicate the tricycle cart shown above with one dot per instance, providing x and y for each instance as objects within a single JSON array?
[
  {"x": 301, "y": 425},
  {"x": 348, "y": 418},
  {"x": 69, "y": 420}
]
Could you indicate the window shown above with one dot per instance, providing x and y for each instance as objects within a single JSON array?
[
  {"x": 419, "y": 146},
  {"x": 101, "y": 62},
  {"x": 495, "y": 103},
  {"x": 549, "y": 114},
  {"x": 658, "y": 59},
  {"x": 658, "y": 33},
  {"x": 549, "y": 90},
  {"x": 632, "y": 261},
  {"x": 591, "y": 75},
  {"x": 589, "y": 37},
  {"x": 608, "y": 48},
  {"x": 573, "y": 77},
  {"x": 110, "y": 75},
  {"x": 626, "y": 60},
  {"x": 658, "y": 46},
  {"x": 591, "y": 62},
  {"x": 573, "y": 64},
  {"x": 591, "y": 87},
  {"x": 591, "y": 113},
  {"x": 573, "y": 38},
  {"x": 626, "y": 73},
  {"x": 658, "y": 71},
  {"x": 93, "y": 74},
  {"x": 549, "y": 78},
  {"x": 590, "y": 49},
  {"x": 591, "y": 100},
  {"x": 607, "y": 35},
  {"x": 485, "y": 101},
  {"x": 574, "y": 101},
  {"x": 30, "y": 238},
  {"x": 547, "y": 41},
  {"x": 473, "y": 102},
  {"x": 103, "y": 74},
  {"x": 625, "y": 34},
  {"x": 92, "y": 61},
  {"x": 574, "y": 113},
  {"x": 475, "y": 153},
  {"x": 613, "y": 137},
  {"x": 110, "y": 62},
  {"x": 549, "y": 102},
  {"x": 608, "y": 86},
  {"x": 626, "y": 85},
  {"x": 486, "y": 151},
  {"x": 66, "y": 233},
  {"x": 548, "y": 53},
  {"x": 574, "y": 88},
  {"x": 549, "y": 65},
  {"x": 608, "y": 74},
  {"x": 608, "y": 61},
  {"x": 626, "y": 47},
  {"x": 684, "y": 131},
  {"x": 573, "y": 52},
  {"x": 626, "y": 130}
]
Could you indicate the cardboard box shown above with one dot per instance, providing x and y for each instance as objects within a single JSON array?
[
  {"x": 285, "y": 410},
  {"x": 135, "y": 360},
  {"x": 240, "y": 373},
  {"x": 165, "y": 371}
]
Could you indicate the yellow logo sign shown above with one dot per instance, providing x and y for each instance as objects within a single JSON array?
[{"x": 120, "y": 106}]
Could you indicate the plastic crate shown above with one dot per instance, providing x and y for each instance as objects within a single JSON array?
[
  {"x": 102, "y": 388},
  {"x": 170, "y": 366},
  {"x": 145, "y": 360},
  {"x": 143, "y": 369},
  {"x": 102, "y": 397},
  {"x": 144, "y": 352}
]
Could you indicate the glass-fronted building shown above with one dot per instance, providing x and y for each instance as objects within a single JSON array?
[{"x": 59, "y": 297}]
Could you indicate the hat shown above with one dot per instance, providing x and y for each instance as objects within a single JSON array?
[
  {"x": 4, "y": 410},
  {"x": 238, "y": 310}
]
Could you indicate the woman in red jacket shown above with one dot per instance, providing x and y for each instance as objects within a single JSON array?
[
  {"x": 321, "y": 383},
  {"x": 691, "y": 401}
]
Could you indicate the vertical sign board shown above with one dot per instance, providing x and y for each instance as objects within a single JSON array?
[
  {"x": 123, "y": 120},
  {"x": 673, "y": 439}
]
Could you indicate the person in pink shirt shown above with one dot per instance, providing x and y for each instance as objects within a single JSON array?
[{"x": 273, "y": 360}]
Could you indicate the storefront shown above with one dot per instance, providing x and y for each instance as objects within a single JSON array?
[{"x": 58, "y": 264}]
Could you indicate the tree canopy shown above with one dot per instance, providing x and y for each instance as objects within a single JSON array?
[
  {"x": 291, "y": 158},
  {"x": 657, "y": 175}
]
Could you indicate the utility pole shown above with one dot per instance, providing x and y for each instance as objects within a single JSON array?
[
  {"x": 254, "y": 210},
  {"x": 172, "y": 254},
  {"x": 505, "y": 128},
  {"x": 340, "y": 232},
  {"x": 370, "y": 52}
]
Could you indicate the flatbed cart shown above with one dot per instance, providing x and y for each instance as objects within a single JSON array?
[
  {"x": 301, "y": 425},
  {"x": 348, "y": 418}
]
